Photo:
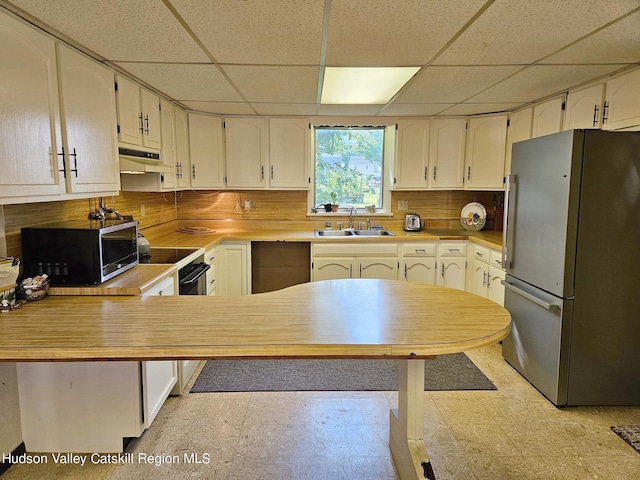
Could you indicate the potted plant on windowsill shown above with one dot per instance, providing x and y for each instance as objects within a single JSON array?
[{"x": 334, "y": 202}]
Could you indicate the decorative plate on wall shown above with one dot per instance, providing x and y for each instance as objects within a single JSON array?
[{"x": 473, "y": 216}]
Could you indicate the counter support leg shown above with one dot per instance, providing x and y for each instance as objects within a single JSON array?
[{"x": 406, "y": 437}]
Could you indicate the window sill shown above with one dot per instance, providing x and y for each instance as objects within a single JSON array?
[{"x": 345, "y": 213}]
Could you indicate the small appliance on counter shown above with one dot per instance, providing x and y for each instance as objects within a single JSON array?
[
  {"x": 80, "y": 252},
  {"x": 144, "y": 247},
  {"x": 413, "y": 223}
]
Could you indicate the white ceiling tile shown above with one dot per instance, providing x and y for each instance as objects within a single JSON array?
[
  {"x": 392, "y": 33},
  {"x": 278, "y": 84},
  {"x": 619, "y": 42},
  {"x": 479, "y": 108},
  {"x": 452, "y": 84},
  {"x": 202, "y": 82},
  {"x": 539, "y": 81},
  {"x": 221, "y": 108},
  {"x": 415, "y": 109},
  {"x": 522, "y": 32},
  {"x": 119, "y": 30},
  {"x": 257, "y": 32},
  {"x": 292, "y": 109}
]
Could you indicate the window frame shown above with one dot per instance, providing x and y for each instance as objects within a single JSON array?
[{"x": 387, "y": 176}]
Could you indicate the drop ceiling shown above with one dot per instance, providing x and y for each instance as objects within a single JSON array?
[{"x": 267, "y": 57}]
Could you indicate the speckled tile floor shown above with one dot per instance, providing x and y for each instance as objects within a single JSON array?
[{"x": 511, "y": 433}]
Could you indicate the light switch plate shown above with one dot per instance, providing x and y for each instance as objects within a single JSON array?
[{"x": 403, "y": 205}]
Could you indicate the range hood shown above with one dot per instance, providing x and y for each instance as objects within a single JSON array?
[{"x": 140, "y": 161}]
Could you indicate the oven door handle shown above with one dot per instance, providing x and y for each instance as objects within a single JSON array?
[{"x": 195, "y": 274}]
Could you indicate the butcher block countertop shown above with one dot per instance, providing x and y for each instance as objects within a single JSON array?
[
  {"x": 169, "y": 236},
  {"x": 136, "y": 281},
  {"x": 356, "y": 318}
]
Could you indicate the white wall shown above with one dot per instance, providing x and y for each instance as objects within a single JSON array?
[{"x": 10, "y": 429}]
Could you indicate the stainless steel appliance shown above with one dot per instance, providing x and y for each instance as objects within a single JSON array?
[
  {"x": 412, "y": 222},
  {"x": 82, "y": 252},
  {"x": 572, "y": 253},
  {"x": 191, "y": 267}
]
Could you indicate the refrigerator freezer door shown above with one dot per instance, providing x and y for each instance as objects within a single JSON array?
[
  {"x": 538, "y": 332},
  {"x": 543, "y": 211}
]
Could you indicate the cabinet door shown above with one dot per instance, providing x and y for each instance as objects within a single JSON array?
[
  {"x": 206, "y": 151},
  {"x": 421, "y": 270},
  {"x": 519, "y": 129},
  {"x": 88, "y": 113},
  {"x": 496, "y": 288},
  {"x": 384, "y": 268},
  {"x": 29, "y": 109},
  {"x": 182, "y": 149},
  {"x": 446, "y": 156},
  {"x": 584, "y": 108},
  {"x": 452, "y": 273},
  {"x": 547, "y": 117},
  {"x": 289, "y": 153},
  {"x": 485, "y": 155},
  {"x": 328, "y": 268},
  {"x": 130, "y": 121},
  {"x": 479, "y": 278},
  {"x": 412, "y": 155},
  {"x": 150, "y": 105},
  {"x": 622, "y": 102},
  {"x": 210, "y": 257},
  {"x": 247, "y": 152},
  {"x": 232, "y": 270},
  {"x": 168, "y": 137}
]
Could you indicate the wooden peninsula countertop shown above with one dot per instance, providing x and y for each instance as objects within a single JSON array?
[{"x": 356, "y": 318}]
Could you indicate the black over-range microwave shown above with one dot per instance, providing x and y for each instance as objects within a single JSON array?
[{"x": 80, "y": 252}]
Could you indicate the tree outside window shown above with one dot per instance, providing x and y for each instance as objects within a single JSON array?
[{"x": 349, "y": 166}]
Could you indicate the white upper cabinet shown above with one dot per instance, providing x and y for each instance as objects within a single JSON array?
[
  {"x": 411, "y": 171},
  {"x": 29, "y": 108},
  {"x": 584, "y": 108},
  {"x": 58, "y": 135},
  {"x": 446, "y": 153},
  {"x": 622, "y": 102},
  {"x": 247, "y": 149},
  {"x": 485, "y": 154},
  {"x": 547, "y": 117},
  {"x": 168, "y": 136},
  {"x": 206, "y": 151},
  {"x": 138, "y": 115},
  {"x": 289, "y": 153},
  {"x": 519, "y": 130},
  {"x": 87, "y": 101},
  {"x": 182, "y": 149}
]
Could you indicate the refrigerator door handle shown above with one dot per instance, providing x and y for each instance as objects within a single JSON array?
[
  {"x": 530, "y": 297},
  {"x": 507, "y": 235}
]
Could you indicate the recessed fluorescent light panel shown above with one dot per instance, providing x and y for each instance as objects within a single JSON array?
[{"x": 363, "y": 85}]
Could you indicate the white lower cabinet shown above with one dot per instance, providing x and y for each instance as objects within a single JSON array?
[
  {"x": 418, "y": 262},
  {"x": 210, "y": 258},
  {"x": 232, "y": 269},
  {"x": 84, "y": 407},
  {"x": 487, "y": 274},
  {"x": 339, "y": 260},
  {"x": 452, "y": 264}
]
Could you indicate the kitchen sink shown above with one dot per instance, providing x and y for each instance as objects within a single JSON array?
[
  {"x": 334, "y": 233},
  {"x": 353, "y": 233},
  {"x": 373, "y": 233}
]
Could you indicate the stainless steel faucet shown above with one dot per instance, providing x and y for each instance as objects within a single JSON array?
[{"x": 352, "y": 211}]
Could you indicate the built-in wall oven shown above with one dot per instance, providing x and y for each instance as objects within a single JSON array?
[{"x": 192, "y": 280}]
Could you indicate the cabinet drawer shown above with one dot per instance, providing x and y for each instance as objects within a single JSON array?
[
  {"x": 453, "y": 249},
  {"x": 419, "y": 249},
  {"x": 482, "y": 254},
  {"x": 355, "y": 249},
  {"x": 495, "y": 259}
]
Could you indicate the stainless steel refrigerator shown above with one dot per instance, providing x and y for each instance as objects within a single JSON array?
[{"x": 572, "y": 254}]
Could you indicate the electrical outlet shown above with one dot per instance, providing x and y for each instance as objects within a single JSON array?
[
  {"x": 142, "y": 211},
  {"x": 403, "y": 205},
  {"x": 247, "y": 205}
]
